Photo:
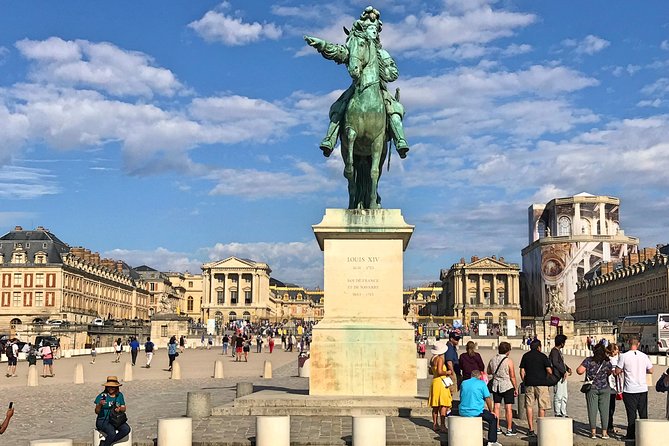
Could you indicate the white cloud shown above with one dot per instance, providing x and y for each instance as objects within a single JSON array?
[
  {"x": 26, "y": 182},
  {"x": 4, "y": 51},
  {"x": 101, "y": 66},
  {"x": 294, "y": 262},
  {"x": 658, "y": 88},
  {"x": 303, "y": 179},
  {"x": 629, "y": 69},
  {"x": 161, "y": 259},
  {"x": 589, "y": 45},
  {"x": 515, "y": 49},
  {"x": 215, "y": 26},
  {"x": 664, "y": 45},
  {"x": 460, "y": 32}
]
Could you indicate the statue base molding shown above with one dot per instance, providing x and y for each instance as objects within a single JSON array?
[{"x": 363, "y": 346}]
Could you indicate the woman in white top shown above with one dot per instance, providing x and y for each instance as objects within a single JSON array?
[{"x": 615, "y": 381}]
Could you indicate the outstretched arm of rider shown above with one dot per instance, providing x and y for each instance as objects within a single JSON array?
[{"x": 330, "y": 51}]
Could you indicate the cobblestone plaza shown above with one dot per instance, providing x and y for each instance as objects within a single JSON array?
[{"x": 59, "y": 409}]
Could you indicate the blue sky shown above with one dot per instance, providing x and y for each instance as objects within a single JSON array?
[{"x": 173, "y": 133}]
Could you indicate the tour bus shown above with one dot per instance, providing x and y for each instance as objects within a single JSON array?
[{"x": 652, "y": 330}]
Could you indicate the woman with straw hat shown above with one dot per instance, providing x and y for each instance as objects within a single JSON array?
[
  {"x": 110, "y": 400},
  {"x": 440, "y": 398}
]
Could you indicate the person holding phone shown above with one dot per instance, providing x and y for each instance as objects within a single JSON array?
[
  {"x": 5, "y": 423},
  {"x": 110, "y": 399}
]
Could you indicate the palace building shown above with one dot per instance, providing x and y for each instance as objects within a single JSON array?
[
  {"x": 639, "y": 284},
  {"x": 44, "y": 278},
  {"x": 296, "y": 302},
  {"x": 483, "y": 290},
  {"x": 236, "y": 288},
  {"x": 422, "y": 302},
  {"x": 190, "y": 288},
  {"x": 567, "y": 238}
]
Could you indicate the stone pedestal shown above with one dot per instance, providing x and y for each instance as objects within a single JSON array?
[
  {"x": 555, "y": 431},
  {"x": 166, "y": 325},
  {"x": 369, "y": 430},
  {"x": 465, "y": 431},
  {"x": 363, "y": 324}
]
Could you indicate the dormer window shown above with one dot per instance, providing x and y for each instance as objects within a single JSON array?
[
  {"x": 19, "y": 257},
  {"x": 40, "y": 258}
]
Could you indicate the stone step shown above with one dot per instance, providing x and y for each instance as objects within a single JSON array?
[{"x": 323, "y": 411}]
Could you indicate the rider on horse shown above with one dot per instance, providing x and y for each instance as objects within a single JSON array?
[{"x": 388, "y": 72}]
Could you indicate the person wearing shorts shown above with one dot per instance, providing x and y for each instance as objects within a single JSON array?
[
  {"x": 239, "y": 347},
  {"x": 504, "y": 386},
  {"x": 535, "y": 367}
]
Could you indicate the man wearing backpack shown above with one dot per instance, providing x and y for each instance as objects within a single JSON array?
[
  {"x": 148, "y": 348},
  {"x": 12, "y": 352}
]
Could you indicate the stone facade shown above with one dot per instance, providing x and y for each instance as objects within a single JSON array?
[
  {"x": 191, "y": 294},
  {"x": 294, "y": 302},
  {"x": 567, "y": 238},
  {"x": 236, "y": 288},
  {"x": 43, "y": 278},
  {"x": 164, "y": 296},
  {"x": 422, "y": 302},
  {"x": 637, "y": 285},
  {"x": 484, "y": 290}
]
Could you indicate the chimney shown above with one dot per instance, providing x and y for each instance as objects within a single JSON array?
[
  {"x": 119, "y": 266},
  {"x": 501, "y": 259},
  {"x": 494, "y": 257},
  {"x": 18, "y": 228},
  {"x": 95, "y": 258},
  {"x": 462, "y": 260},
  {"x": 40, "y": 228}
]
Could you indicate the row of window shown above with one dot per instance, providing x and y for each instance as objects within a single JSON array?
[
  {"x": 234, "y": 300},
  {"x": 474, "y": 298},
  {"x": 28, "y": 299},
  {"x": 26, "y": 280}
]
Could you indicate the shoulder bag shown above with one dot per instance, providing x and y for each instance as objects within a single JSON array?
[
  {"x": 117, "y": 419},
  {"x": 492, "y": 377},
  {"x": 587, "y": 382}
]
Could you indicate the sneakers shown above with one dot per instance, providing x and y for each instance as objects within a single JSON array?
[
  {"x": 494, "y": 443},
  {"x": 511, "y": 433},
  {"x": 531, "y": 434}
]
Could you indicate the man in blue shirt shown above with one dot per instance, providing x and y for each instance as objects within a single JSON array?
[
  {"x": 474, "y": 396},
  {"x": 451, "y": 358},
  {"x": 134, "y": 349}
]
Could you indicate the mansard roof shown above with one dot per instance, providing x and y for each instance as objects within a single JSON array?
[{"x": 33, "y": 242}]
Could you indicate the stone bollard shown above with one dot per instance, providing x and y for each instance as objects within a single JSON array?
[
  {"x": 369, "y": 430},
  {"x": 79, "y": 373},
  {"x": 127, "y": 376},
  {"x": 244, "y": 389},
  {"x": 52, "y": 442},
  {"x": 421, "y": 368},
  {"x": 305, "y": 370},
  {"x": 493, "y": 346},
  {"x": 465, "y": 431},
  {"x": 273, "y": 431},
  {"x": 175, "y": 431},
  {"x": 218, "y": 369},
  {"x": 661, "y": 360},
  {"x": 555, "y": 431},
  {"x": 649, "y": 431},
  {"x": 176, "y": 370},
  {"x": 98, "y": 437},
  {"x": 67, "y": 353},
  {"x": 267, "y": 370},
  {"x": 32, "y": 376},
  {"x": 653, "y": 359},
  {"x": 198, "y": 405}
]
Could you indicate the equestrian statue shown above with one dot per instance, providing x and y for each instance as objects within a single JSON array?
[{"x": 366, "y": 117}]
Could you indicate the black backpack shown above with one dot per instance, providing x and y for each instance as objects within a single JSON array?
[{"x": 9, "y": 351}]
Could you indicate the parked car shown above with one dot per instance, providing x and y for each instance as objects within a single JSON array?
[
  {"x": 55, "y": 322},
  {"x": 42, "y": 340},
  {"x": 98, "y": 321}
]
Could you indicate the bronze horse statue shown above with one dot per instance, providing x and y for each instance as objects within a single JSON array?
[{"x": 360, "y": 115}]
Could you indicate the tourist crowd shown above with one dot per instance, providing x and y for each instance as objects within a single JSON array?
[{"x": 490, "y": 390}]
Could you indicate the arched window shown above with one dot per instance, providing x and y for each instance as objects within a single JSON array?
[
  {"x": 564, "y": 225},
  {"x": 541, "y": 228},
  {"x": 247, "y": 316},
  {"x": 189, "y": 303},
  {"x": 14, "y": 322},
  {"x": 474, "y": 317},
  {"x": 586, "y": 226},
  {"x": 232, "y": 316},
  {"x": 488, "y": 318}
]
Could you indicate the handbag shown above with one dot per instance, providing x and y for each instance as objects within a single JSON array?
[
  {"x": 117, "y": 419},
  {"x": 492, "y": 378},
  {"x": 448, "y": 382},
  {"x": 587, "y": 383}
]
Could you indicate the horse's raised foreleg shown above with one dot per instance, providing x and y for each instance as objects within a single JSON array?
[{"x": 349, "y": 173}]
